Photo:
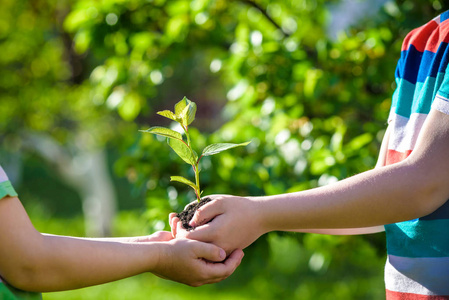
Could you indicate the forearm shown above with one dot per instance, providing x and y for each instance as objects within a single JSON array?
[
  {"x": 376, "y": 197},
  {"x": 343, "y": 231},
  {"x": 381, "y": 161},
  {"x": 37, "y": 262},
  {"x": 134, "y": 239},
  {"x": 61, "y": 263}
]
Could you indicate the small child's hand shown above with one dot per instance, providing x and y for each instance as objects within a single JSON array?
[
  {"x": 177, "y": 230},
  {"x": 195, "y": 263}
]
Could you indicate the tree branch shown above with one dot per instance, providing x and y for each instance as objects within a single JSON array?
[{"x": 266, "y": 15}]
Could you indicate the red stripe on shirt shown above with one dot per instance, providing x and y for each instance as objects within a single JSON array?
[
  {"x": 394, "y": 156},
  {"x": 408, "y": 296},
  {"x": 428, "y": 37}
]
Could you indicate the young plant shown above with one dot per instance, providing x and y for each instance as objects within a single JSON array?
[{"x": 184, "y": 114}]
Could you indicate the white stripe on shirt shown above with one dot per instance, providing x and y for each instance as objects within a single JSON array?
[
  {"x": 3, "y": 176},
  {"x": 417, "y": 275}
]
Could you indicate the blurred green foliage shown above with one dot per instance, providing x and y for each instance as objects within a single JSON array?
[{"x": 315, "y": 109}]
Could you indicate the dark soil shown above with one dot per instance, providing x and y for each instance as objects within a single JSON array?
[{"x": 187, "y": 214}]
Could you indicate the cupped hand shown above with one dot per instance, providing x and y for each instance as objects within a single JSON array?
[{"x": 196, "y": 263}]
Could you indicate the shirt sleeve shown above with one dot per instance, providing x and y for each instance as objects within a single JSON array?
[
  {"x": 441, "y": 101},
  {"x": 6, "y": 188}
]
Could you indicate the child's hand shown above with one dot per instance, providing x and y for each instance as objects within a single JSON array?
[
  {"x": 176, "y": 227},
  {"x": 234, "y": 223},
  {"x": 195, "y": 263},
  {"x": 177, "y": 230}
]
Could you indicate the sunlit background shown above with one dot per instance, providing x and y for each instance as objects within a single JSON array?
[{"x": 307, "y": 81}]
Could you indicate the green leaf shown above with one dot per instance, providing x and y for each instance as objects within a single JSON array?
[
  {"x": 164, "y": 132},
  {"x": 168, "y": 114},
  {"x": 179, "y": 107},
  {"x": 217, "y": 148},
  {"x": 185, "y": 111},
  {"x": 188, "y": 115},
  {"x": 183, "y": 151},
  {"x": 185, "y": 181}
]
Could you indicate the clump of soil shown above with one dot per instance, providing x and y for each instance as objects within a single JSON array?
[{"x": 187, "y": 214}]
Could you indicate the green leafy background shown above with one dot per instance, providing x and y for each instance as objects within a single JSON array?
[{"x": 314, "y": 107}]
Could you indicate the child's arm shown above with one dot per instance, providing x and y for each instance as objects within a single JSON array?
[
  {"x": 32, "y": 261},
  {"x": 381, "y": 161},
  {"x": 403, "y": 191}
]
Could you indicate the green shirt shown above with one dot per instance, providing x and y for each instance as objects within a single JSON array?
[{"x": 8, "y": 292}]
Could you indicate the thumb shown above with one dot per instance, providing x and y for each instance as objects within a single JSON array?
[{"x": 210, "y": 252}]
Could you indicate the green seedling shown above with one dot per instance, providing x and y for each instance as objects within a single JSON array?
[{"x": 184, "y": 114}]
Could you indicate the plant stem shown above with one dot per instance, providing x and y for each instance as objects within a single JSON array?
[
  {"x": 195, "y": 166},
  {"x": 186, "y": 130},
  {"x": 197, "y": 182}
]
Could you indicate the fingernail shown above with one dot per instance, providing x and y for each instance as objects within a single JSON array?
[
  {"x": 222, "y": 254},
  {"x": 192, "y": 223}
]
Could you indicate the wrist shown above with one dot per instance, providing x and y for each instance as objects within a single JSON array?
[
  {"x": 156, "y": 256},
  {"x": 260, "y": 208}
]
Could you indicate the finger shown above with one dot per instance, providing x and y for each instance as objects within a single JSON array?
[
  {"x": 171, "y": 216},
  {"x": 209, "y": 252},
  {"x": 174, "y": 226},
  {"x": 234, "y": 260},
  {"x": 207, "y": 212},
  {"x": 181, "y": 232},
  {"x": 170, "y": 222},
  {"x": 221, "y": 271},
  {"x": 231, "y": 263},
  {"x": 204, "y": 233},
  {"x": 173, "y": 219}
]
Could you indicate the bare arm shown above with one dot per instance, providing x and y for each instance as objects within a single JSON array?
[
  {"x": 407, "y": 190},
  {"x": 381, "y": 161},
  {"x": 403, "y": 191},
  {"x": 33, "y": 261}
]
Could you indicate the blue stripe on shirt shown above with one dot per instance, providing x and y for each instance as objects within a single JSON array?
[
  {"x": 415, "y": 66},
  {"x": 418, "y": 238}
]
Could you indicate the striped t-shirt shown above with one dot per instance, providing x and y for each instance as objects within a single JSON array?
[{"x": 418, "y": 250}]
